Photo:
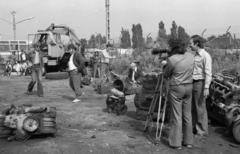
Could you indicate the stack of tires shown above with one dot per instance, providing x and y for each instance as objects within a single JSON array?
[
  {"x": 4, "y": 131},
  {"x": 57, "y": 75},
  {"x": 48, "y": 122}
]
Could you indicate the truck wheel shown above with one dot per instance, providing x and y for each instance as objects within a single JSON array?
[
  {"x": 57, "y": 75},
  {"x": 236, "y": 130}
]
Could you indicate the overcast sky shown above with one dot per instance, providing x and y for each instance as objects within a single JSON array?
[{"x": 88, "y": 17}]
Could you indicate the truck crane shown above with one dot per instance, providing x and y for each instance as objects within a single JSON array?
[{"x": 55, "y": 52}]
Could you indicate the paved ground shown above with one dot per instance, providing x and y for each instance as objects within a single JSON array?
[{"x": 86, "y": 127}]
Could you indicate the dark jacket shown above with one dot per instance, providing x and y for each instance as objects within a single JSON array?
[
  {"x": 79, "y": 62},
  {"x": 31, "y": 57},
  {"x": 138, "y": 75}
]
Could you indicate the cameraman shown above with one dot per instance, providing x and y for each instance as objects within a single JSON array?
[{"x": 178, "y": 72}]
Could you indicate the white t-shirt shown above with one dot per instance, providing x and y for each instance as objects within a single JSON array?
[{"x": 71, "y": 64}]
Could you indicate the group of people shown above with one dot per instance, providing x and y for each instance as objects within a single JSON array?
[
  {"x": 188, "y": 77},
  {"x": 19, "y": 66}
]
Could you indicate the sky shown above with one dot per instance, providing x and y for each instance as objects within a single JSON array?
[{"x": 88, "y": 17}]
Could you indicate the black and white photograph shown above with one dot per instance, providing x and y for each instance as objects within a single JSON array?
[{"x": 119, "y": 77}]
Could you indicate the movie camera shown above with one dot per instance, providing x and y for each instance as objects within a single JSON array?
[{"x": 163, "y": 53}]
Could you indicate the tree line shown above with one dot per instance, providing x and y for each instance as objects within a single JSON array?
[{"x": 137, "y": 41}]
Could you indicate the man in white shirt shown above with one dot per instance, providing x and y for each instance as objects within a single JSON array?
[
  {"x": 104, "y": 67},
  {"x": 76, "y": 67},
  {"x": 202, "y": 76}
]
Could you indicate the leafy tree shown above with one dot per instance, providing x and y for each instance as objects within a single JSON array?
[
  {"x": 162, "y": 36},
  {"x": 125, "y": 39},
  {"x": 149, "y": 42},
  {"x": 137, "y": 37},
  {"x": 83, "y": 41},
  {"x": 182, "y": 34},
  {"x": 128, "y": 40},
  {"x": 104, "y": 40},
  {"x": 211, "y": 38},
  {"x": 92, "y": 42},
  {"x": 1, "y": 59},
  {"x": 98, "y": 40},
  {"x": 174, "y": 30}
]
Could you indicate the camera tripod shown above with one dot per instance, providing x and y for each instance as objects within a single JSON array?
[{"x": 161, "y": 113}]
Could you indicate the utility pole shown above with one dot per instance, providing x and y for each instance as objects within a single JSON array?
[
  {"x": 14, "y": 24},
  {"x": 107, "y": 21}
]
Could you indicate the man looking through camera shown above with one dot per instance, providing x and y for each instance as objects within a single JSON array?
[{"x": 179, "y": 70}]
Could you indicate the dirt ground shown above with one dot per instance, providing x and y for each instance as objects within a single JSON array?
[{"x": 86, "y": 127}]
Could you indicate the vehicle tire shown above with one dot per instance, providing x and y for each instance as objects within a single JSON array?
[
  {"x": 236, "y": 130},
  {"x": 45, "y": 119},
  {"x": 57, "y": 75},
  {"x": 48, "y": 124},
  {"x": 4, "y": 131}
]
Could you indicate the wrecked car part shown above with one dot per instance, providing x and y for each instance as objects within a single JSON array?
[
  {"x": 223, "y": 103},
  {"x": 27, "y": 120}
]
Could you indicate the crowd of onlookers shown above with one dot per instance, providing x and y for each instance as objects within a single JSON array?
[{"x": 19, "y": 66}]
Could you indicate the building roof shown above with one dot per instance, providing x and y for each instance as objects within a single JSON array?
[{"x": 224, "y": 41}]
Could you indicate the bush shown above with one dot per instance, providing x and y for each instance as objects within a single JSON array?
[
  {"x": 1, "y": 59},
  {"x": 148, "y": 63}
]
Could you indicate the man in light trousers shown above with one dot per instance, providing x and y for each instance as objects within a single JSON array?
[
  {"x": 202, "y": 77},
  {"x": 179, "y": 71}
]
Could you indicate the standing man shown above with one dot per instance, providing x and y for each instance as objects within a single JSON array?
[
  {"x": 202, "y": 77},
  {"x": 104, "y": 67},
  {"x": 35, "y": 59},
  {"x": 96, "y": 64},
  {"x": 76, "y": 71},
  {"x": 178, "y": 71},
  {"x": 23, "y": 56}
]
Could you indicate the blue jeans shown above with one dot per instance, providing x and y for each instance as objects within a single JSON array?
[
  {"x": 75, "y": 82},
  {"x": 36, "y": 74}
]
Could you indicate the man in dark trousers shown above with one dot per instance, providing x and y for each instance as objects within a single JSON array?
[
  {"x": 35, "y": 58},
  {"x": 76, "y": 71},
  {"x": 178, "y": 75}
]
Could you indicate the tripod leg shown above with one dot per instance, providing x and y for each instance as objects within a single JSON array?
[
  {"x": 159, "y": 106},
  {"x": 163, "y": 117},
  {"x": 153, "y": 105}
]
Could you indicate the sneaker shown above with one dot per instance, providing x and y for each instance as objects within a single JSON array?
[
  {"x": 177, "y": 148},
  {"x": 76, "y": 100},
  {"x": 29, "y": 93},
  {"x": 189, "y": 146}
]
